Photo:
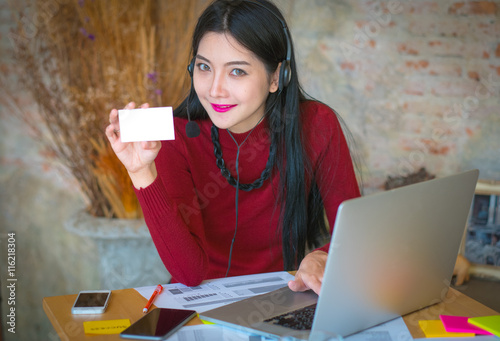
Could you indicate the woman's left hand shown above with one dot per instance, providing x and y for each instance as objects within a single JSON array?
[
  {"x": 310, "y": 273},
  {"x": 461, "y": 270}
]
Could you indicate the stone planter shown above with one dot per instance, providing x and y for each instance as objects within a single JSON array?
[{"x": 126, "y": 256}]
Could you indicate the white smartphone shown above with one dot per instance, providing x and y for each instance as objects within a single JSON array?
[
  {"x": 91, "y": 302},
  {"x": 158, "y": 324}
]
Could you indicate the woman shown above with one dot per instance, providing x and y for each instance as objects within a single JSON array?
[{"x": 249, "y": 193}]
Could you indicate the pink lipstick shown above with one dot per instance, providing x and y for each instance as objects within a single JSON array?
[{"x": 222, "y": 107}]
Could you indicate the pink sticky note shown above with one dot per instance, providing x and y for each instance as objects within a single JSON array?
[{"x": 459, "y": 324}]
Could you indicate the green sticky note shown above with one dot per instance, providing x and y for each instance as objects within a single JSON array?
[{"x": 488, "y": 323}]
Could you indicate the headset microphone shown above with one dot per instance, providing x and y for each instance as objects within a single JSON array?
[{"x": 192, "y": 128}]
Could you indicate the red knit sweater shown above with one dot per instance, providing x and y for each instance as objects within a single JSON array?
[{"x": 190, "y": 207}]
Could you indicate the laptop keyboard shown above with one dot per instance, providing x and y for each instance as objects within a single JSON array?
[{"x": 300, "y": 319}]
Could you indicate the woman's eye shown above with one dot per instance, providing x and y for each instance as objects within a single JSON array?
[
  {"x": 238, "y": 72},
  {"x": 203, "y": 67}
]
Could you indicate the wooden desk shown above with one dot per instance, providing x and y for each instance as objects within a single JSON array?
[{"x": 128, "y": 303}]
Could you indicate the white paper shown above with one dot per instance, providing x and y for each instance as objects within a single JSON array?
[
  {"x": 205, "y": 332},
  {"x": 218, "y": 292},
  {"x": 394, "y": 330},
  {"x": 215, "y": 293},
  {"x": 151, "y": 124}
]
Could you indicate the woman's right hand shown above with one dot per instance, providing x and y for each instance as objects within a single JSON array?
[{"x": 137, "y": 157}]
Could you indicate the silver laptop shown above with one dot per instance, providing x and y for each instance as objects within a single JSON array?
[{"x": 391, "y": 253}]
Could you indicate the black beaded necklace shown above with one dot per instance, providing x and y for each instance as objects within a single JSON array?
[{"x": 225, "y": 172}]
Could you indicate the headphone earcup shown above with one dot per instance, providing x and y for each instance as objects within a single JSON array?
[
  {"x": 285, "y": 74},
  {"x": 190, "y": 67}
]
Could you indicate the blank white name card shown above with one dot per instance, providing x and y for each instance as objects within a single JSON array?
[{"x": 151, "y": 124}]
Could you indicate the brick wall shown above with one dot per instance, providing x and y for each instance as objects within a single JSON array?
[{"x": 418, "y": 82}]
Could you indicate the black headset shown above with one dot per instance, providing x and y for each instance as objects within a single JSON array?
[
  {"x": 285, "y": 69},
  {"x": 192, "y": 128}
]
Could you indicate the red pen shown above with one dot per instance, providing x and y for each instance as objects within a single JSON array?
[{"x": 158, "y": 289}]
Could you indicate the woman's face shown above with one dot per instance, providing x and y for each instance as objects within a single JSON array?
[{"x": 231, "y": 82}]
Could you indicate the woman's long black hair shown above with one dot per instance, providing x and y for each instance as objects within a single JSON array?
[{"x": 256, "y": 26}]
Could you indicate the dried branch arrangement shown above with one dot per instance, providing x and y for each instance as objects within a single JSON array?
[{"x": 87, "y": 57}]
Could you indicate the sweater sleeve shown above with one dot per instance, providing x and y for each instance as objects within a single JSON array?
[
  {"x": 173, "y": 216},
  {"x": 333, "y": 165}
]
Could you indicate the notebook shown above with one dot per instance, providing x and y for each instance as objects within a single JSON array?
[{"x": 391, "y": 253}]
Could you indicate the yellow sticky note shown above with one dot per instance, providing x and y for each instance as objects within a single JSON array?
[
  {"x": 203, "y": 321},
  {"x": 488, "y": 323},
  {"x": 206, "y": 322},
  {"x": 435, "y": 328},
  {"x": 105, "y": 327}
]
